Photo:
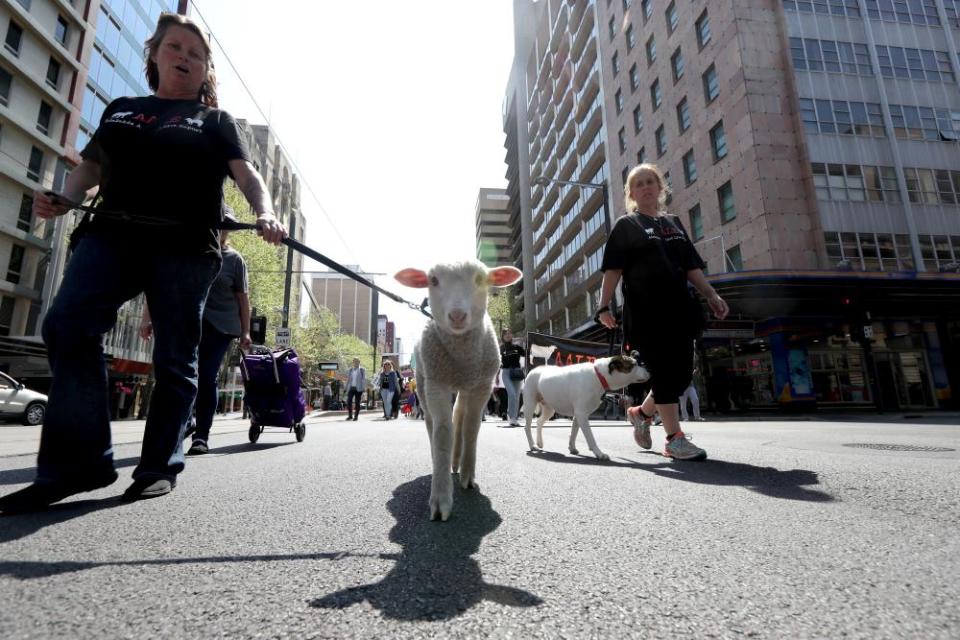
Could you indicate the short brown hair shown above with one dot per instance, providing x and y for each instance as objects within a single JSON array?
[{"x": 208, "y": 90}]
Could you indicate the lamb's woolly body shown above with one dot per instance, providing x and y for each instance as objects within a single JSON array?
[{"x": 467, "y": 362}]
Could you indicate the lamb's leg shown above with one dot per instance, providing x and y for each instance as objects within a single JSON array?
[
  {"x": 573, "y": 437},
  {"x": 584, "y": 423},
  {"x": 469, "y": 429},
  {"x": 546, "y": 412},
  {"x": 441, "y": 487},
  {"x": 458, "y": 411}
]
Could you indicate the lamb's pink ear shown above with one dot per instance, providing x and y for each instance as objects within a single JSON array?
[
  {"x": 412, "y": 278},
  {"x": 503, "y": 276}
]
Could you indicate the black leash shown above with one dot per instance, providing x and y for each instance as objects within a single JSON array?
[{"x": 229, "y": 225}]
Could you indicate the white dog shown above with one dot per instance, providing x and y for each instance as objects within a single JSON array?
[{"x": 576, "y": 390}]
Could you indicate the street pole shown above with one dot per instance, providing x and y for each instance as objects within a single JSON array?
[
  {"x": 607, "y": 225},
  {"x": 286, "y": 284}
]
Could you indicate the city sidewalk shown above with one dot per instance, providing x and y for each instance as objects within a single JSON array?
[{"x": 19, "y": 440}]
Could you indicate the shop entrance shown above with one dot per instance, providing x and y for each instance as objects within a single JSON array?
[{"x": 903, "y": 380}]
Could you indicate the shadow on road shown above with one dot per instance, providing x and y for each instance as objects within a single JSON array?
[
  {"x": 28, "y": 570},
  {"x": 25, "y": 475},
  {"x": 790, "y": 485},
  {"x": 435, "y": 577}
]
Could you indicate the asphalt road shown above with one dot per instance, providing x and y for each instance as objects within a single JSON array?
[{"x": 787, "y": 531}]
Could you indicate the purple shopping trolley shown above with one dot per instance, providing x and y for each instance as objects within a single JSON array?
[{"x": 272, "y": 393}]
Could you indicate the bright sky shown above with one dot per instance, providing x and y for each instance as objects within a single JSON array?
[{"x": 391, "y": 110}]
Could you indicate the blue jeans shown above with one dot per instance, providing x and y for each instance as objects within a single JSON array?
[
  {"x": 387, "y": 396},
  {"x": 513, "y": 394},
  {"x": 102, "y": 274},
  {"x": 213, "y": 346}
]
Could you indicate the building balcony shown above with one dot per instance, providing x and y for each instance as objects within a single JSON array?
[
  {"x": 560, "y": 25},
  {"x": 582, "y": 32},
  {"x": 565, "y": 104}
]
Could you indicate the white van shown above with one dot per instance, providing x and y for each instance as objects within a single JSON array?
[{"x": 16, "y": 401}]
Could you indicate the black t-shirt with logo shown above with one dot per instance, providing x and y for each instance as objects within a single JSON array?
[
  {"x": 654, "y": 255},
  {"x": 510, "y": 355},
  {"x": 165, "y": 159}
]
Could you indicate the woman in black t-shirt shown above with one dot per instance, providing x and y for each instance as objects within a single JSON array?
[
  {"x": 156, "y": 159},
  {"x": 511, "y": 374},
  {"x": 651, "y": 254}
]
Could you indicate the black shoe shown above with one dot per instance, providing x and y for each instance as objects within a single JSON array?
[
  {"x": 349, "y": 418},
  {"x": 40, "y": 495},
  {"x": 198, "y": 448},
  {"x": 145, "y": 488}
]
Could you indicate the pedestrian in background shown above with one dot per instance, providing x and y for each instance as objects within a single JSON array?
[
  {"x": 356, "y": 384},
  {"x": 162, "y": 157},
  {"x": 511, "y": 374},
  {"x": 327, "y": 396},
  {"x": 226, "y": 317},
  {"x": 387, "y": 381},
  {"x": 652, "y": 255}
]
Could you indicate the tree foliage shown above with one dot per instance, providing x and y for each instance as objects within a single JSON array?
[{"x": 318, "y": 337}]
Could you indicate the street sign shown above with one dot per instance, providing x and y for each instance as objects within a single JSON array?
[
  {"x": 329, "y": 366},
  {"x": 868, "y": 331},
  {"x": 283, "y": 337}
]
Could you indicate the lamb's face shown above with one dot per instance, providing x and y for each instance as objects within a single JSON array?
[{"x": 458, "y": 296}]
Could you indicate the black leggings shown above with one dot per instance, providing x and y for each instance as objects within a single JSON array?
[
  {"x": 353, "y": 402},
  {"x": 668, "y": 356}
]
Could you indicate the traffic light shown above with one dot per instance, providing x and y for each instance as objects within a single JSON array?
[{"x": 258, "y": 329}]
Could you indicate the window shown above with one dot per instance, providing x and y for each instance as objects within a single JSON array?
[
  {"x": 703, "y": 29},
  {"x": 835, "y": 7},
  {"x": 734, "y": 259},
  {"x": 827, "y": 55},
  {"x": 637, "y": 120},
  {"x": 622, "y": 139},
  {"x": 14, "y": 38},
  {"x": 6, "y": 82},
  {"x": 683, "y": 115},
  {"x": 689, "y": 167},
  {"x": 53, "y": 73},
  {"x": 618, "y": 100},
  {"x": 25, "y": 219},
  {"x": 671, "y": 16},
  {"x": 25, "y": 4},
  {"x": 711, "y": 86},
  {"x": 656, "y": 99},
  {"x": 6, "y": 315},
  {"x": 696, "y": 223},
  {"x": 651, "y": 51},
  {"x": 849, "y": 118},
  {"x": 661, "y": 137},
  {"x": 62, "y": 30},
  {"x": 916, "y": 64},
  {"x": 916, "y": 12},
  {"x": 16, "y": 264},
  {"x": 634, "y": 78},
  {"x": 718, "y": 141},
  {"x": 647, "y": 6},
  {"x": 626, "y": 4},
  {"x": 631, "y": 39},
  {"x": 612, "y": 26},
  {"x": 36, "y": 164},
  {"x": 642, "y": 155},
  {"x": 676, "y": 63},
  {"x": 624, "y": 173},
  {"x": 615, "y": 63},
  {"x": 725, "y": 198},
  {"x": 44, "y": 117}
]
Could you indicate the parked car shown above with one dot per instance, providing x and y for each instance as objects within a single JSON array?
[{"x": 18, "y": 402}]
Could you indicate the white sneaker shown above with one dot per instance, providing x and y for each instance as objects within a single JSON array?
[
  {"x": 641, "y": 427},
  {"x": 681, "y": 448}
]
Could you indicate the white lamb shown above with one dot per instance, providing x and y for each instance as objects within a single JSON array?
[{"x": 457, "y": 353}]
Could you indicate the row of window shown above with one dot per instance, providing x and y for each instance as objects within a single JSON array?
[
  {"x": 13, "y": 42},
  {"x": 728, "y": 211},
  {"x": 911, "y": 12},
  {"x": 857, "y": 183},
  {"x": 890, "y": 252},
  {"x": 866, "y": 119},
  {"x": 854, "y": 58}
]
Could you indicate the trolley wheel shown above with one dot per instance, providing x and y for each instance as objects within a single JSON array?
[
  {"x": 255, "y": 431},
  {"x": 301, "y": 431}
]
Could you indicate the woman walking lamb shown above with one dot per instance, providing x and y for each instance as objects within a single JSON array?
[
  {"x": 163, "y": 156},
  {"x": 652, "y": 255}
]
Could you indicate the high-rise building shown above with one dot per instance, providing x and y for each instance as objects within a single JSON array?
[
  {"x": 812, "y": 150},
  {"x": 493, "y": 227},
  {"x": 554, "y": 124},
  {"x": 354, "y": 304}
]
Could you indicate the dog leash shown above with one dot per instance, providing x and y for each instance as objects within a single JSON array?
[{"x": 228, "y": 225}]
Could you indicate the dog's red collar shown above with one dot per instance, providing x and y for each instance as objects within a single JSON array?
[{"x": 603, "y": 381}]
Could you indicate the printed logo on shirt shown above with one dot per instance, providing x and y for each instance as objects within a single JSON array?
[
  {"x": 194, "y": 125},
  {"x": 129, "y": 119}
]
